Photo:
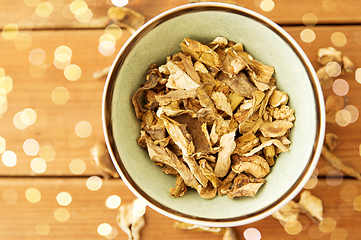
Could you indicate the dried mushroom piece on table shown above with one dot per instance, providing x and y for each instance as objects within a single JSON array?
[
  {"x": 213, "y": 117},
  {"x": 129, "y": 222},
  {"x": 101, "y": 159},
  {"x": 308, "y": 204}
]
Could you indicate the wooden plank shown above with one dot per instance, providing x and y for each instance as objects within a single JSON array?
[
  {"x": 32, "y": 92},
  {"x": 283, "y": 12},
  {"x": 350, "y": 140},
  {"x": 84, "y": 104},
  {"x": 87, "y": 209}
]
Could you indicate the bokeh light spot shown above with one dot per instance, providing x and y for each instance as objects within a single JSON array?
[
  {"x": 113, "y": 202},
  {"x": 329, "y": 5},
  {"x": 353, "y": 112},
  {"x": 293, "y": 228},
  {"x": 9, "y": 158},
  {"x": 76, "y": 5},
  {"x": 309, "y": 19},
  {"x": 32, "y": 3},
  {"x": 113, "y": 234},
  {"x": 47, "y": 152},
  {"x": 57, "y": 4},
  {"x": 328, "y": 225},
  {"x": 6, "y": 83},
  {"x": 94, "y": 183},
  {"x": 267, "y": 5},
  {"x": 333, "y": 69},
  {"x": 72, "y": 72},
  {"x": 312, "y": 182},
  {"x": 60, "y": 95},
  {"x": 77, "y": 166},
  {"x": 63, "y": 199},
  {"x": 346, "y": 208},
  {"x": 2, "y": 144},
  {"x": 62, "y": 214},
  {"x": 114, "y": 30},
  {"x": 44, "y": 9},
  {"x": 23, "y": 41},
  {"x": 38, "y": 165},
  {"x": 338, "y": 39},
  {"x": 139, "y": 208},
  {"x": 75, "y": 141},
  {"x": 339, "y": 234},
  {"x": 358, "y": 75},
  {"x": 120, "y": 3},
  {"x": 10, "y": 196},
  {"x": 334, "y": 177},
  {"x": 38, "y": 71},
  {"x": 18, "y": 123},
  {"x": 340, "y": 87},
  {"x": 37, "y": 56},
  {"x": 343, "y": 118},
  {"x": 314, "y": 232},
  {"x": 83, "y": 15},
  {"x": 3, "y": 104},
  {"x": 348, "y": 192},
  {"x": 42, "y": 229},
  {"x": 357, "y": 203},
  {"x": 106, "y": 48},
  {"x": 83, "y": 129},
  {"x": 308, "y": 35},
  {"x": 10, "y": 31},
  {"x": 31, "y": 147},
  {"x": 107, "y": 37},
  {"x": 104, "y": 229},
  {"x": 252, "y": 234},
  {"x": 28, "y": 116},
  {"x": 33, "y": 195}
]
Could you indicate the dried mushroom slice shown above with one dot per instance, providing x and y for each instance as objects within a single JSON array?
[
  {"x": 348, "y": 65},
  {"x": 278, "y": 98},
  {"x": 227, "y": 145},
  {"x": 207, "y": 192},
  {"x": 198, "y": 228},
  {"x": 165, "y": 156},
  {"x": 240, "y": 83},
  {"x": 127, "y": 18},
  {"x": 312, "y": 205},
  {"x": 224, "y": 187},
  {"x": 329, "y": 54},
  {"x": 333, "y": 105},
  {"x": 288, "y": 213},
  {"x": 174, "y": 96},
  {"x": 337, "y": 163},
  {"x": 221, "y": 102},
  {"x": 178, "y": 79},
  {"x": 201, "y": 52},
  {"x": 101, "y": 159},
  {"x": 255, "y": 165},
  {"x": 246, "y": 143},
  {"x": 153, "y": 79},
  {"x": 331, "y": 141},
  {"x": 180, "y": 187},
  {"x": 259, "y": 73},
  {"x": 233, "y": 63},
  {"x": 275, "y": 142},
  {"x": 276, "y": 128},
  {"x": 129, "y": 223},
  {"x": 244, "y": 185},
  {"x": 190, "y": 70},
  {"x": 207, "y": 170}
]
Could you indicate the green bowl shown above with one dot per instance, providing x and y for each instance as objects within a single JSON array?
[{"x": 266, "y": 42}]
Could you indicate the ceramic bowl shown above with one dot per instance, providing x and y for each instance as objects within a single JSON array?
[{"x": 266, "y": 42}]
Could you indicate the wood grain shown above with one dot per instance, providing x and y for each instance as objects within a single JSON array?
[
  {"x": 283, "y": 13},
  {"x": 87, "y": 211}
]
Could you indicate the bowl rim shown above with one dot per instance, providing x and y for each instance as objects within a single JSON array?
[{"x": 320, "y": 113}]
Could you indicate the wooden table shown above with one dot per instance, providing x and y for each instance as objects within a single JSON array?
[{"x": 68, "y": 121}]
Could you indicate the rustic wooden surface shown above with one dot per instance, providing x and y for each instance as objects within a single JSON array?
[{"x": 19, "y": 218}]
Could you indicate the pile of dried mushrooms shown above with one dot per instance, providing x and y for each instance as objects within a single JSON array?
[{"x": 213, "y": 117}]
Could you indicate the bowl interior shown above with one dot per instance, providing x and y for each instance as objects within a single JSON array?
[{"x": 161, "y": 38}]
